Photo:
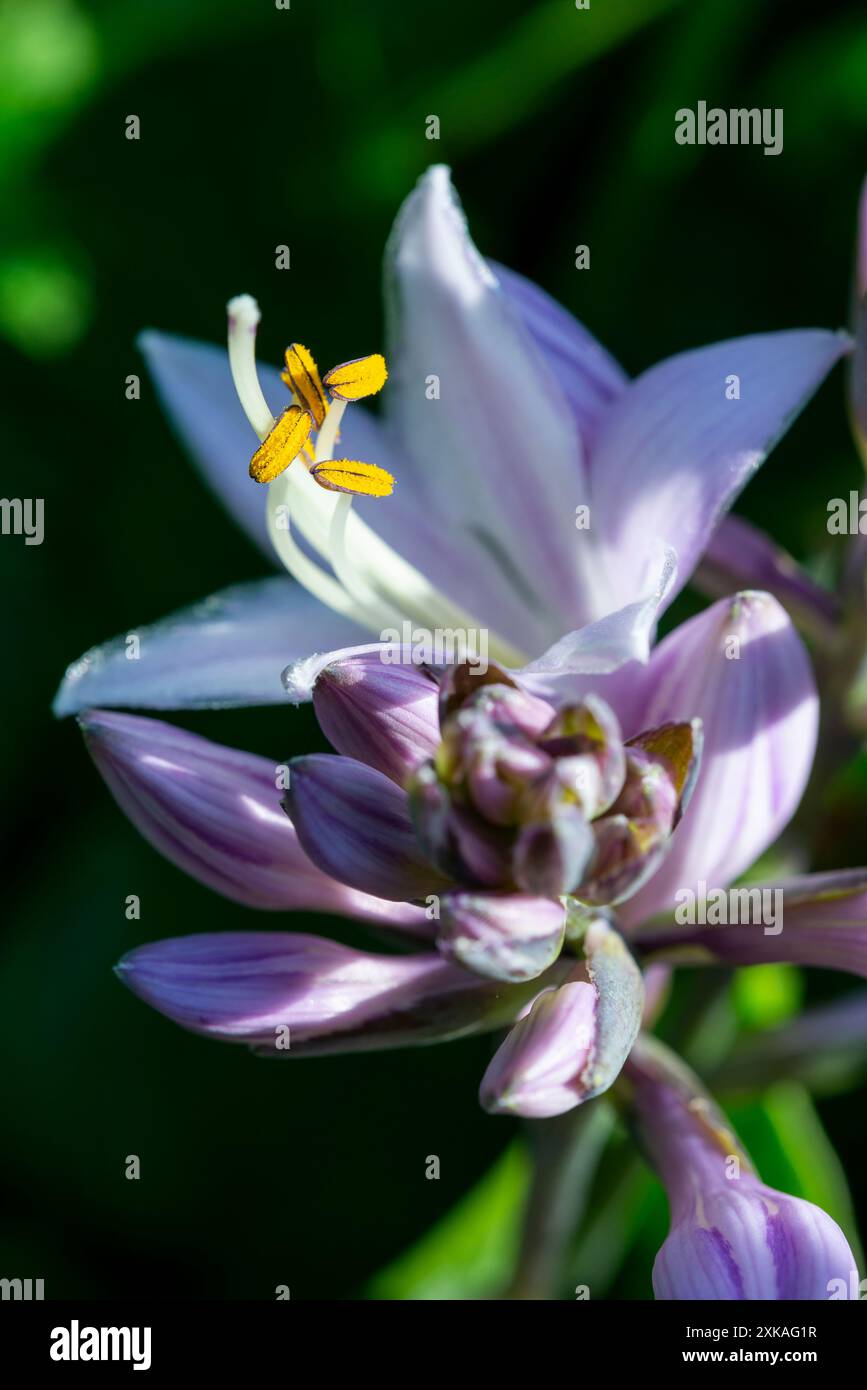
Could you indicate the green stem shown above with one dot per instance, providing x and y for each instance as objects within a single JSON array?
[{"x": 566, "y": 1151}]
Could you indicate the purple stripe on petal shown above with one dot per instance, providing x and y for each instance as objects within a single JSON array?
[
  {"x": 381, "y": 713},
  {"x": 499, "y": 445},
  {"x": 354, "y": 822},
  {"x": 741, "y": 668},
  {"x": 589, "y": 377},
  {"x": 732, "y": 1236},
  {"x": 503, "y": 936},
  {"x": 820, "y": 920},
  {"x": 679, "y": 445},
  {"x": 292, "y": 995},
  {"x": 215, "y": 813}
]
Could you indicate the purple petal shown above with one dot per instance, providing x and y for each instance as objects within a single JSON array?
[
  {"x": 499, "y": 449},
  {"x": 754, "y": 1243},
  {"x": 731, "y": 1237},
  {"x": 296, "y": 995},
  {"x": 573, "y": 1042},
  {"x": 818, "y": 920},
  {"x": 550, "y": 857},
  {"x": 858, "y": 365},
  {"x": 215, "y": 813},
  {"x": 858, "y": 380},
  {"x": 503, "y": 936},
  {"x": 589, "y": 377},
  {"x": 740, "y": 556},
  {"x": 759, "y": 712},
  {"x": 599, "y": 648},
  {"x": 537, "y": 1072},
  {"x": 227, "y": 650},
  {"x": 674, "y": 452},
  {"x": 381, "y": 713},
  {"x": 355, "y": 824}
]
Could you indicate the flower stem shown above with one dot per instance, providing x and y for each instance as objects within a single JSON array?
[{"x": 566, "y": 1151}]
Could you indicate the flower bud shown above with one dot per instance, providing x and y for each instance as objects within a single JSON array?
[
  {"x": 504, "y": 936},
  {"x": 572, "y": 1043}
]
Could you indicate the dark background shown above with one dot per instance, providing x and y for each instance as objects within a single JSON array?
[{"x": 306, "y": 126}]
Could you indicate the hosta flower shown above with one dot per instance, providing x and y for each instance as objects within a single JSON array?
[
  {"x": 507, "y": 825},
  {"x": 490, "y": 954},
  {"x": 503, "y": 417},
  {"x": 433, "y": 823},
  {"x": 732, "y": 1236}
]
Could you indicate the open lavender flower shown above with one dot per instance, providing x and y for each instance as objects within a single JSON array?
[
  {"x": 513, "y": 828},
  {"x": 504, "y": 420},
  {"x": 498, "y": 757},
  {"x": 428, "y": 838}
]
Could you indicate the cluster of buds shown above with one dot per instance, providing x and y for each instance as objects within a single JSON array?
[{"x": 522, "y": 797}]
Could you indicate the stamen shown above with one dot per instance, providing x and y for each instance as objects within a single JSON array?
[
  {"x": 349, "y": 475},
  {"x": 380, "y": 614},
  {"x": 302, "y": 377},
  {"x": 378, "y": 588},
  {"x": 282, "y": 445},
  {"x": 327, "y": 436},
  {"x": 364, "y": 376},
  {"x": 298, "y": 563}
]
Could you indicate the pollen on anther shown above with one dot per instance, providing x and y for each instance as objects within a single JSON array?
[
  {"x": 283, "y": 444},
  {"x": 301, "y": 375},
  {"x": 352, "y": 381},
  {"x": 349, "y": 475}
]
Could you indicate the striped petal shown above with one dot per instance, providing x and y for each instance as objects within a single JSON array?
[
  {"x": 215, "y": 813},
  {"x": 678, "y": 447},
  {"x": 497, "y": 444},
  {"x": 573, "y": 1042},
  {"x": 292, "y": 995},
  {"x": 354, "y": 822},
  {"x": 732, "y": 1236},
  {"x": 503, "y": 936},
  {"x": 741, "y": 668},
  {"x": 589, "y": 377},
  {"x": 381, "y": 713},
  {"x": 820, "y": 920}
]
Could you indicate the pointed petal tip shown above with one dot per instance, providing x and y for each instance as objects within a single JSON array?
[{"x": 147, "y": 339}]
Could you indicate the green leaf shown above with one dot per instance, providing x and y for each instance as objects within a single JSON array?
[
  {"x": 542, "y": 48},
  {"x": 767, "y": 995},
  {"x": 471, "y": 1252}
]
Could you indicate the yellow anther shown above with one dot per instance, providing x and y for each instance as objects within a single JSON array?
[
  {"x": 283, "y": 444},
  {"x": 348, "y": 475},
  {"x": 353, "y": 380},
  {"x": 302, "y": 377}
]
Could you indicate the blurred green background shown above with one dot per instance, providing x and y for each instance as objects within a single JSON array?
[{"x": 261, "y": 126}]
